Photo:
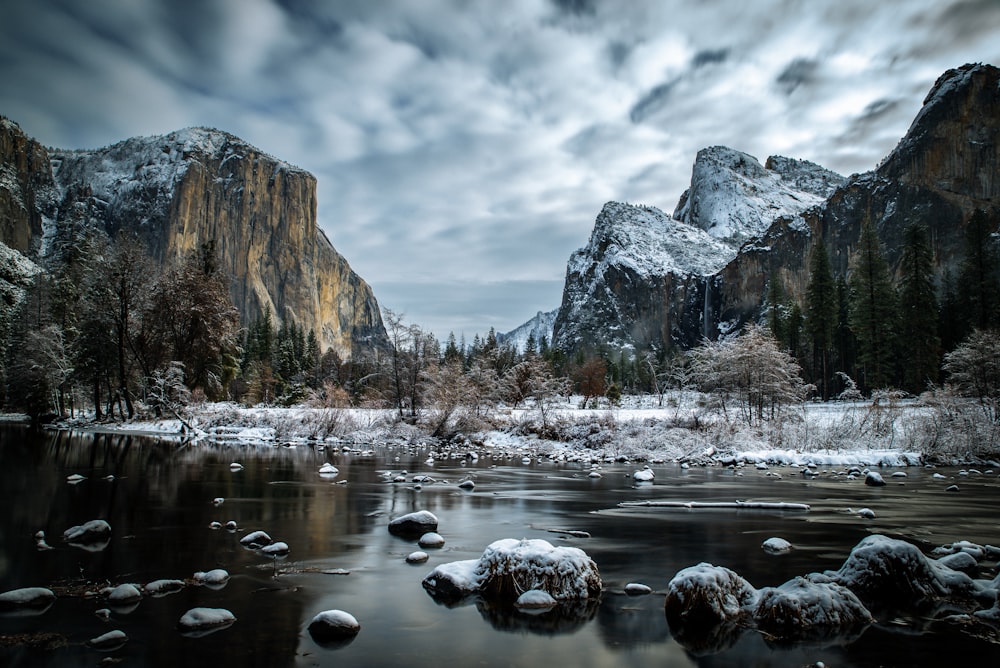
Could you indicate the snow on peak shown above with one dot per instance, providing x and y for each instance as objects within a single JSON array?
[
  {"x": 538, "y": 326},
  {"x": 648, "y": 242},
  {"x": 734, "y": 198}
]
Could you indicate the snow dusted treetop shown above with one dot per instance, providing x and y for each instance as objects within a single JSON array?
[{"x": 734, "y": 198}]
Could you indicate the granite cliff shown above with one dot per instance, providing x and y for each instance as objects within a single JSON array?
[
  {"x": 761, "y": 223},
  {"x": 186, "y": 188}
]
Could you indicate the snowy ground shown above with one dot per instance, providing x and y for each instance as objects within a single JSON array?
[{"x": 643, "y": 428}]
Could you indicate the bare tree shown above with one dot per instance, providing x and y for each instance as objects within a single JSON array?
[{"x": 752, "y": 373}]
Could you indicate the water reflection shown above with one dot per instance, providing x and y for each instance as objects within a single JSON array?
[{"x": 158, "y": 498}]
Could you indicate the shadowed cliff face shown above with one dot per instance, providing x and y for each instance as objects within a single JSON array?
[
  {"x": 27, "y": 192},
  {"x": 193, "y": 186}
]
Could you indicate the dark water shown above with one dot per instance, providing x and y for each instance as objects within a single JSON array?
[{"x": 160, "y": 505}]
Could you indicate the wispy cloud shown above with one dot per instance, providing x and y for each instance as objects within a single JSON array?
[{"x": 462, "y": 149}]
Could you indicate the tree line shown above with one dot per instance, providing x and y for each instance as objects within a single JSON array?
[{"x": 109, "y": 330}]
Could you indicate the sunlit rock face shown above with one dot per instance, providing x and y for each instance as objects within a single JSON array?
[
  {"x": 191, "y": 187},
  {"x": 628, "y": 290}
]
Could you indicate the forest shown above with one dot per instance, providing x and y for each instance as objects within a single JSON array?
[{"x": 105, "y": 331}]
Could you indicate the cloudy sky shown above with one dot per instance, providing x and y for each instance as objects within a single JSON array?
[{"x": 463, "y": 149}]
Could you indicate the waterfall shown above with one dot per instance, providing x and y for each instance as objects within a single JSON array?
[{"x": 704, "y": 314}]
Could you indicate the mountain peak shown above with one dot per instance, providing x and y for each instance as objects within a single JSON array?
[
  {"x": 734, "y": 198},
  {"x": 951, "y": 146}
]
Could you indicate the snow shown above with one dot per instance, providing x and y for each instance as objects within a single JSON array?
[
  {"x": 776, "y": 546},
  {"x": 431, "y": 539},
  {"x": 216, "y": 576},
  {"x": 33, "y": 597},
  {"x": 88, "y": 532},
  {"x": 734, "y": 198},
  {"x": 649, "y": 243},
  {"x": 535, "y": 599},
  {"x": 510, "y": 567},
  {"x": 708, "y": 594},
  {"x": 124, "y": 593},
  {"x": 334, "y": 628},
  {"x": 637, "y": 589},
  {"x": 802, "y": 609},
  {"x": 539, "y": 326},
  {"x": 256, "y": 539},
  {"x": 158, "y": 588},
  {"x": 108, "y": 641},
  {"x": 278, "y": 549},
  {"x": 198, "y": 619}
]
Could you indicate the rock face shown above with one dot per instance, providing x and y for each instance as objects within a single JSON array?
[
  {"x": 190, "y": 187},
  {"x": 619, "y": 294},
  {"x": 537, "y": 327}
]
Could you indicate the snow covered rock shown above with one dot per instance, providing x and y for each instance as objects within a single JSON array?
[
  {"x": 88, "y": 533},
  {"x": 414, "y": 525},
  {"x": 26, "y": 597},
  {"x": 158, "y": 588},
  {"x": 123, "y": 594},
  {"x": 417, "y": 557},
  {"x": 452, "y": 581},
  {"x": 733, "y": 197},
  {"x": 889, "y": 573},
  {"x": 214, "y": 578},
  {"x": 535, "y": 599},
  {"x": 328, "y": 470},
  {"x": 333, "y": 628},
  {"x": 960, "y": 561},
  {"x": 200, "y": 621},
  {"x": 804, "y": 610},
  {"x": 707, "y": 595},
  {"x": 108, "y": 642},
  {"x": 275, "y": 550},
  {"x": 874, "y": 479},
  {"x": 643, "y": 475},
  {"x": 431, "y": 539},
  {"x": 637, "y": 589},
  {"x": 509, "y": 566},
  {"x": 256, "y": 540},
  {"x": 776, "y": 546}
]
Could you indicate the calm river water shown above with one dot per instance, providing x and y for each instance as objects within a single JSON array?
[{"x": 160, "y": 505}]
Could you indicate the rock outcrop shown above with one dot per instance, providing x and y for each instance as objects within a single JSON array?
[
  {"x": 187, "y": 188},
  {"x": 944, "y": 169}
]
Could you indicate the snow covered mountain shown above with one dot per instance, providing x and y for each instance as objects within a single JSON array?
[
  {"x": 181, "y": 190},
  {"x": 734, "y": 198},
  {"x": 649, "y": 281},
  {"x": 538, "y": 327},
  {"x": 615, "y": 285}
]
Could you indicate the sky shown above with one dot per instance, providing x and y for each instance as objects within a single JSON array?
[{"x": 463, "y": 149}]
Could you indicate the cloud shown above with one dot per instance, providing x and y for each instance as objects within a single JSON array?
[{"x": 463, "y": 150}]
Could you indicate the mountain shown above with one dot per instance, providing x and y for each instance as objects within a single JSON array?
[
  {"x": 734, "y": 198},
  {"x": 537, "y": 327},
  {"x": 625, "y": 289},
  {"x": 186, "y": 188}
]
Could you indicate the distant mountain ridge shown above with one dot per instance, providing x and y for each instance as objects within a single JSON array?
[{"x": 180, "y": 190}]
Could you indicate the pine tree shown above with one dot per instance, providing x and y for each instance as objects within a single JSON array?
[
  {"x": 775, "y": 308},
  {"x": 978, "y": 279},
  {"x": 918, "y": 325},
  {"x": 844, "y": 341},
  {"x": 821, "y": 315},
  {"x": 872, "y": 309}
]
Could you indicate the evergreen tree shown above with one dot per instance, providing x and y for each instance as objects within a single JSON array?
[
  {"x": 793, "y": 330},
  {"x": 843, "y": 336},
  {"x": 951, "y": 320},
  {"x": 821, "y": 315},
  {"x": 979, "y": 275},
  {"x": 872, "y": 309},
  {"x": 775, "y": 308},
  {"x": 918, "y": 324}
]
